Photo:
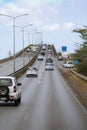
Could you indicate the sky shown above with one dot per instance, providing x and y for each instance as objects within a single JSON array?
[{"x": 55, "y": 21}]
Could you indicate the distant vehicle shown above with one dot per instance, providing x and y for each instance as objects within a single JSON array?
[
  {"x": 60, "y": 57},
  {"x": 34, "y": 50},
  {"x": 49, "y": 51},
  {"x": 32, "y": 72},
  {"x": 40, "y": 57},
  {"x": 10, "y": 90},
  {"x": 42, "y": 53},
  {"x": 49, "y": 66},
  {"x": 28, "y": 50},
  {"x": 35, "y": 68},
  {"x": 44, "y": 47},
  {"x": 49, "y": 46},
  {"x": 68, "y": 64},
  {"x": 49, "y": 60}
]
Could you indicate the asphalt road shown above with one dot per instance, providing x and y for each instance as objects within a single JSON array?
[
  {"x": 8, "y": 67},
  {"x": 47, "y": 104}
]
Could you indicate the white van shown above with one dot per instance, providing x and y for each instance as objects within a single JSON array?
[{"x": 68, "y": 64}]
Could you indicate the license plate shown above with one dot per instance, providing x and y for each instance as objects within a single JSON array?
[{"x": 3, "y": 98}]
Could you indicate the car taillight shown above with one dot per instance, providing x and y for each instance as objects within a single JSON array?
[{"x": 15, "y": 90}]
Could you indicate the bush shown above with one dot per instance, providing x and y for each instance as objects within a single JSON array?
[{"x": 82, "y": 68}]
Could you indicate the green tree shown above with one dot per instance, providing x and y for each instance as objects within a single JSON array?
[{"x": 81, "y": 52}]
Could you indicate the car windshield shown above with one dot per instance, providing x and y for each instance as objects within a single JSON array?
[
  {"x": 49, "y": 60},
  {"x": 49, "y": 64},
  {"x": 70, "y": 63},
  {"x": 4, "y": 81}
]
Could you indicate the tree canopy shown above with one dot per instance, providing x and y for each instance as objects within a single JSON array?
[{"x": 81, "y": 53}]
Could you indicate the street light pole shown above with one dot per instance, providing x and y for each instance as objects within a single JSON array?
[
  {"x": 13, "y": 44},
  {"x": 13, "y": 34},
  {"x": 23, "y": 45},
  {"x": 23, "y": 38}
]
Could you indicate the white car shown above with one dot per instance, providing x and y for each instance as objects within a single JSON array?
[
  {"x": 10, "y": 90},
  {"x": 28, "y": 50},
  {"x": 32, "y": 72},
  {"x": 40, "y": 57},
  {"x": 68, "y": 64},
  {"x": 49, "y": 66}
]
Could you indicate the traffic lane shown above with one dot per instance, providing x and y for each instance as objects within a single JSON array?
[
  {"x": 43, "y": 106},
  {"x": 73, "y": 113},
  {"x": 34, "y": 104},
  {"x": 12, "y": 117},
  {"x": 8, "y": 67},
  {"x": 44, "y": 109},
  {"x": 55, "y": 107}
]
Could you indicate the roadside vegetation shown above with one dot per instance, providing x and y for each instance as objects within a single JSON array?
[
  {"x": 78, "y": 85},
  {"x": 81, "y": 52}
]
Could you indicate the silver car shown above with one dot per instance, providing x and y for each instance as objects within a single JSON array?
[
  {"x": 49, "y": 66},
  {"x": 32, "y": 72}
]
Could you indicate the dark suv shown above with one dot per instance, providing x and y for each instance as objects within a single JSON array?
[{"x": 49, "y": 60}]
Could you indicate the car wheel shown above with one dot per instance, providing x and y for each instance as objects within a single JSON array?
[
  {"x": 16, "y": 102},
  {"x": 19, "y": 100}
]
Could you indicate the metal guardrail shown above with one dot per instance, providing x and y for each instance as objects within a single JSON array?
[{"x": 79, "y": 75}]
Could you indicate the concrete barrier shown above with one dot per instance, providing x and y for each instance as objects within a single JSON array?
[
  {"x": 11, "y": 57},
  {"x": 79, "y": 75},
  {"x": 54, "y": 50},
  {"x": 21, "y": 71}
]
